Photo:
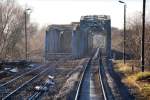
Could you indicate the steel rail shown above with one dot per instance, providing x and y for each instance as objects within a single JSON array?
[
  {"x": 81, "y": 80},
  {"x": 23, "y": 85},
  {"x": 33, "y": 96},
  {"x": 37, "y": 94},
  {"x": 20, "y": 76},
  {"x": 102, "y": 83},
  {"x": 96, "y": 56}
]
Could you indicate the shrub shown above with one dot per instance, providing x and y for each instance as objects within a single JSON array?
[{"x": 143, "y": 76}]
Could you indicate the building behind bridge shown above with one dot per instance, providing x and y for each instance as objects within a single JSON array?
[{"x": 78, "y": 39}]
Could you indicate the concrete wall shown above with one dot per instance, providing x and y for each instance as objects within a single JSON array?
[
  {"x": 75, "y": 43},
  {"x": 65, "y": 41},
  {"x": 78, "y": 43},
  {"x": 108, "y": 30},
  {"x": 52, "y": 41},
  {"x": 58, "y": 40}
]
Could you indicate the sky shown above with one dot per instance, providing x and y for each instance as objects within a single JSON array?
[{"x": 46, "y": 12}]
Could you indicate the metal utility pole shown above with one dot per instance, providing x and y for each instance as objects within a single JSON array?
[
  {"x": 25, "y": 16},
  {"x": 143, "y": 36},
  {"x": 26, "y": 36},
  {"x": 124, "y": 35}
]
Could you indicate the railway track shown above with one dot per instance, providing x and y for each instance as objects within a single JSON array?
[
  {"x": 21, "y": 71},
  {"x": 20, "y": 76},
  {"x": 11, "y": 87},
  {"x": 91, "y": 86},
  {"x": 44, "y": 89},
  {"x": 43, "y": 83}
]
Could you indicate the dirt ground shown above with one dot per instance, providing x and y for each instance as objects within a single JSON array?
[{"x": 66, "y": 75}]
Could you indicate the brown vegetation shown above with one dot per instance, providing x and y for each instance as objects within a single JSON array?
[
  {"x": 117, "y": 39},
  {"x": 12, "y": 32},
  {"x": 133, "y": 37},
  {"x": 139, "y": 82}
]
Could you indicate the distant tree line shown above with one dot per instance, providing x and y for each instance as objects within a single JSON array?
[
  {"x": 12, "y": 30},
  {"x": 133, "y": 38},
  {"x": 134, "y": 34}
]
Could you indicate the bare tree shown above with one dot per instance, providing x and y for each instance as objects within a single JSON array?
[
  {"x": 133, "y": 36},
  {"x": 12, "y": 30},
  {"x": 11, "y": 26},
  {"x": 37, "y": 44},
  {"x": 133, "y": 39}
]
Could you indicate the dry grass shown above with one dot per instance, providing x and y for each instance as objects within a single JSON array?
[
  {"x": 143, "y": 76},
  {"x": 139, "y": 81},
  {"x": 123, "y": 68},
  {"x": 66, "y": 75}
]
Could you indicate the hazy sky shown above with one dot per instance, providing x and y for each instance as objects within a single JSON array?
[{"x": 47, "y": 12}]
